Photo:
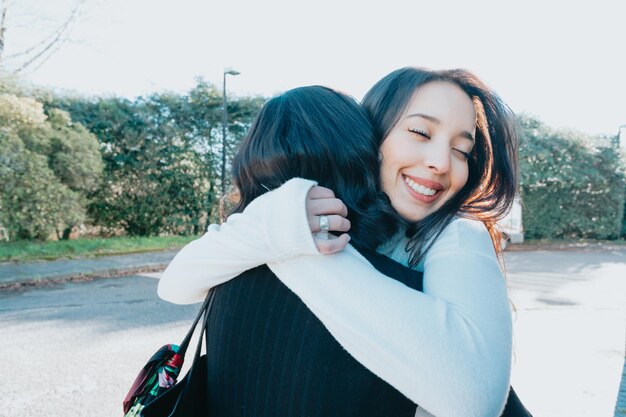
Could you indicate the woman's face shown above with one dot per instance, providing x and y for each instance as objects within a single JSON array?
[{"x": 424, "y": 157}]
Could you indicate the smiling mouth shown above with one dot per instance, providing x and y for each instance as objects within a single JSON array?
[
  {"x": 422, "y": 192},
  {"x": 418, "y": 188}
]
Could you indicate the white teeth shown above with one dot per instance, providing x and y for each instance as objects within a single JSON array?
[{"x": 418, "y": 188}]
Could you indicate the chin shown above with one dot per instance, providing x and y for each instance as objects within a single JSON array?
[{"x": 413, "y": 215}]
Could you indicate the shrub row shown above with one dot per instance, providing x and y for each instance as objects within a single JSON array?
[
  {"x": 152, "y": 166},
  {"x": 148, "y": 166},
  {"x": 572, "y": 186}
]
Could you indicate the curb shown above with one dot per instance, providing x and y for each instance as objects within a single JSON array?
[
  {"x": 555, "y": 247},
  {"x": 78, "y": 277}
]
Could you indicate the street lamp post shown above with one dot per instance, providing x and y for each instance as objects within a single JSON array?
[
  {"x": 227, "y": 71},
  {"x": 619, "y": 136}
]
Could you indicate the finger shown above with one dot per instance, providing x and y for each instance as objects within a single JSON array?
[
  {"x": 320, "y": 192},
  {"x": 329, "y": 246},
  {"x": 336, "y": 223},
  {"x": 326, "y": 206}
]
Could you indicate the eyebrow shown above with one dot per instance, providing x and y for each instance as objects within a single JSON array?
[{"x": 463, "y": 133}]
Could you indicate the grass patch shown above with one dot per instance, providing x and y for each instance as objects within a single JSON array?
[{"x": 31, "y": 250}]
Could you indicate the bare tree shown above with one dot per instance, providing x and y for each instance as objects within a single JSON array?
[{"x": 35, "y": 55}]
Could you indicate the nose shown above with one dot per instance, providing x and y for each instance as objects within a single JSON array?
[{"x": 437, "y": 157}]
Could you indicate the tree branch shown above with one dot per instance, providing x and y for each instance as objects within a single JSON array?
[
  {"x": 44, "y": 49},
  {"x": 2, "y": 29}
]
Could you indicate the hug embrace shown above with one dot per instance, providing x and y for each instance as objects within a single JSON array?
[{"x": 360, "y": 271}]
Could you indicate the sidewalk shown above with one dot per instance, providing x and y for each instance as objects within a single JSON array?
[
  {"x": 15, "y": 274},
  {"x": 569, "y": 331},
  {"x": 569, "y": 328}
]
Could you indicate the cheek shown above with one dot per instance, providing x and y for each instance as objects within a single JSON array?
[
  {"x": 461, "y": 175},
  {"x": 394, "y": 151}
]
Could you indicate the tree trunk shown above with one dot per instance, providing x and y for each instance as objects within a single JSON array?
[{"x": 66, "y": 233}]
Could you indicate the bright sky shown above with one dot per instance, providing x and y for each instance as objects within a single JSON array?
[{"x": 558, "y": 60}]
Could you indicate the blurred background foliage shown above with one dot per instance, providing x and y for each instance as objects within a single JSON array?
[
  {"x": 151, "y": 167},
  {"x": 572, "y": 185},
  {"x": 145, "y": 167}
]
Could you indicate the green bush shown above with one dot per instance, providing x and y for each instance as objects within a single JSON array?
[
  {"x": 47, "y": 164},
  {"x": 162, "y": 156},
  {"x": 572, "y": 185}
]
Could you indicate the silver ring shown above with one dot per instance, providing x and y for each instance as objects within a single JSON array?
[{"x": 324, "y": 224}]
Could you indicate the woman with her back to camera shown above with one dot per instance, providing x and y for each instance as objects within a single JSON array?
[{"x": 447, "y": 149}]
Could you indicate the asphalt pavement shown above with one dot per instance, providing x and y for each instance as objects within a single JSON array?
[
  {"x": 74, "y": 348},
  {"x": 14, "y": 274}
]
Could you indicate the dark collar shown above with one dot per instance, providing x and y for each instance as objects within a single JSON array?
[{"x": 407, "y": 276}]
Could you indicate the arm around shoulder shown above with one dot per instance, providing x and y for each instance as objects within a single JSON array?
[{"x": 272, "y": 228}]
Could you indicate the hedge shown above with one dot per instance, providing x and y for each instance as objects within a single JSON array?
[{"x": 572, "y": 186}]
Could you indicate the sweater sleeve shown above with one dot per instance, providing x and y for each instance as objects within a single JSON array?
[
  {"x": 271, "y": 228},
  {"x": 447, "y": 349}
]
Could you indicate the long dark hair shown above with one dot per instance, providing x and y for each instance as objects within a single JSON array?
[
  {"x": 493, "y": 173},
  {"x": 323, "y": 135}
]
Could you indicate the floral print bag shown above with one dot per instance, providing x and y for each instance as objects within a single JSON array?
[{"x": 156, "y": 392}]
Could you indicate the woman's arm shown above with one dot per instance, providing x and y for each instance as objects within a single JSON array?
[
  {"x": 269, "y": 229},
  {"x": 447, "y": 349}
]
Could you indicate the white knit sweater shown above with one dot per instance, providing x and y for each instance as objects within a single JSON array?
[{"x": 448, "y": 349}]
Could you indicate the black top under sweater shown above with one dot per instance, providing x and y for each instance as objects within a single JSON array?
[{"x": 269, "y": 355}]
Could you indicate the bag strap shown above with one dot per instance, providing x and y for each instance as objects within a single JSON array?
[
  {"x": 204, "y": 310},
  {"x": 203, "y": 331}
]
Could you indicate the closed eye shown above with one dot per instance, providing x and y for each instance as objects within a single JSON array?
[
  {"x": 466, "y": 155},
  {"x": 420, "y": 133}
]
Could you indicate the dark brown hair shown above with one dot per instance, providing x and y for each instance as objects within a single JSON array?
[{"x": 323, "y": 135}]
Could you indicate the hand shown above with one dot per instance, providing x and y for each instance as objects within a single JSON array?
[{"x": 321, "y": 201}]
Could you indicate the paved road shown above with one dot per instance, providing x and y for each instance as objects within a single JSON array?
[
  {"x": 101, "y": 266},
  {"x": 570, "y": 331},
  {"x": 74, "y": 349}
]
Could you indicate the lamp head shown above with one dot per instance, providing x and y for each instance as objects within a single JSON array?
[{"x": 231, "y": 71}]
